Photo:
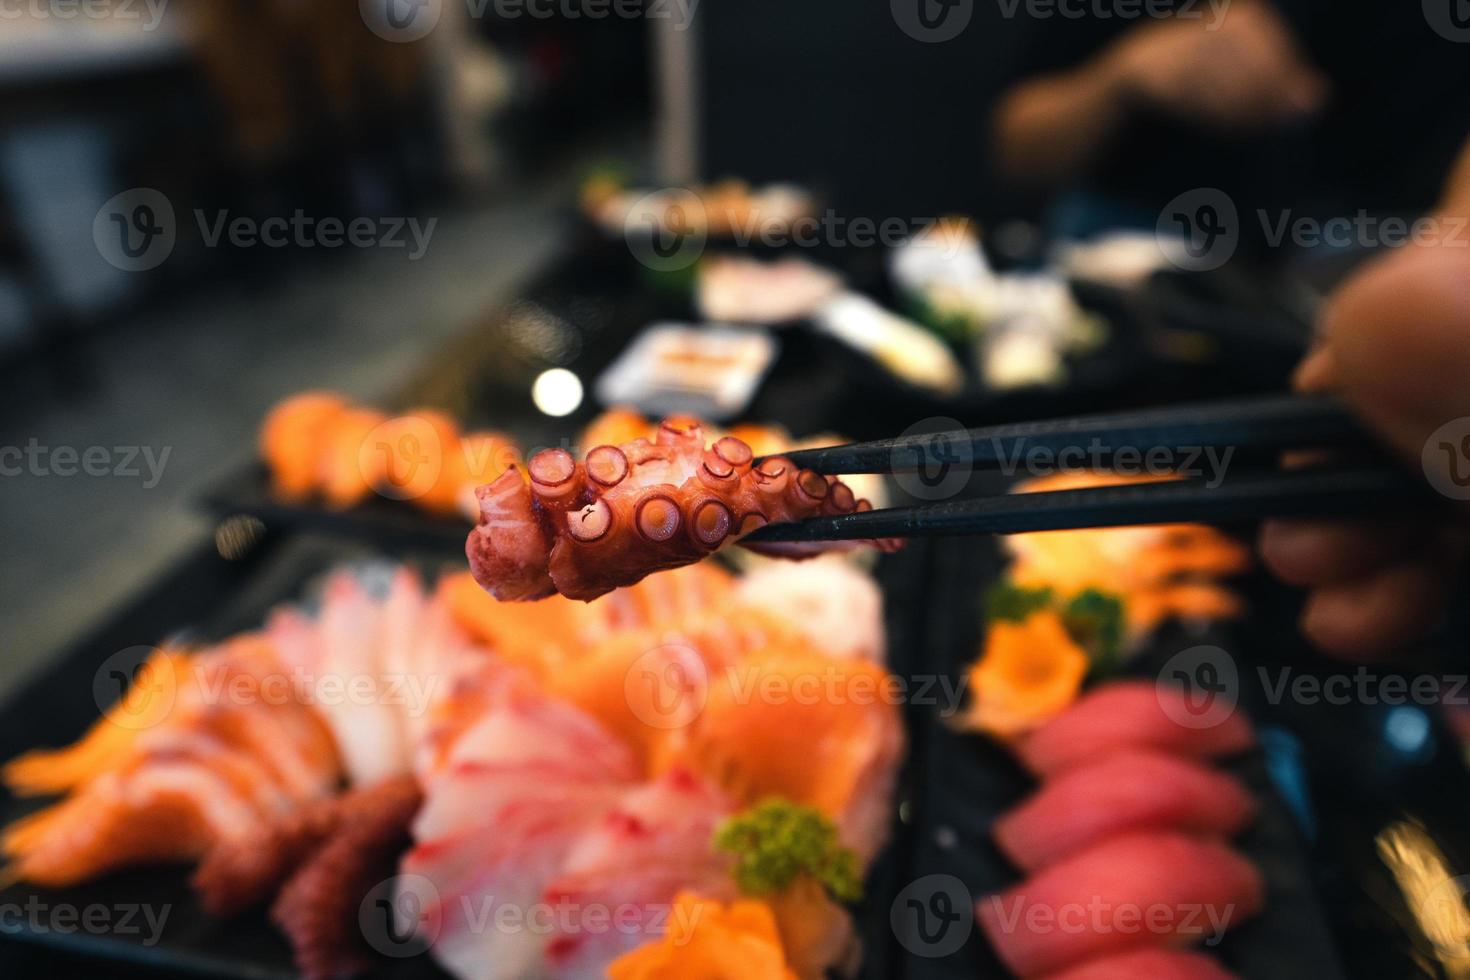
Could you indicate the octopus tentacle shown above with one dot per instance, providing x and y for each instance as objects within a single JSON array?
[{"x": 586, "y": 528}]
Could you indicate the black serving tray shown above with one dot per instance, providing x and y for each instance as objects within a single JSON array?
[
  {"x": 209, "y": 598},
  {"x": 968, "y": 781}
]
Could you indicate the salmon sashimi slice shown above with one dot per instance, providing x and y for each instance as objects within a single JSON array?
[
  {"x": 164, "y": 812},
  {"x": 1148, "y": 964},
  {"x": 109, "y": 742},
  {"x": 542, "y": 637},
  {"x": 817, "y": 731},
  {"x": 293, "y": 438},
  {"x": 1130, "y": 790},
  {"x": 1132, "y": 714},
  {"x": 1138, "y": 890}
]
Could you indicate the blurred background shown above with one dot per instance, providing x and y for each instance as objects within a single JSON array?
[
  {"x": 486, "y": 223},
  {"x": 178, "y": 179}
]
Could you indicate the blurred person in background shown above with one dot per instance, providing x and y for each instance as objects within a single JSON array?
[{"x": 1289, "y": 104}]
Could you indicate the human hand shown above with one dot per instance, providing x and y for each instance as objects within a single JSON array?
[{"x": 1396, "y": 348}]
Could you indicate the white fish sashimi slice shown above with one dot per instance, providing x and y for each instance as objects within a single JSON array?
[
  {"x": 533, "y": 729},
  {"x": 349, "y": 689},
  {"x": 479, "y": 795},
  {"x": 402, "y": 617},
  {"x": 603, "y": 917},
  {"x": 619, "y": 882},
  {"x": 485, "y": 890},
  {"x": 836, "y": 606},
  {"x": 672, "y": 819}
]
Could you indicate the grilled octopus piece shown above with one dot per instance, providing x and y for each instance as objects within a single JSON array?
[{"x": 586, "y": 528}]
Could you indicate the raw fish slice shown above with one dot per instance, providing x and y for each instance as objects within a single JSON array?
[
  {"x": 162, "y": 812},
  {"x": 835, "y": 606},
  {"x": 109, "y": 743},
  {"x": 817, "y": 731},
  {"x": 246, "y": 775},
  {"x": 1130, "y": 714},
  {"x": 293, "y": 439},
  {"x": 534, "y": 635},
  {"x": 402, "y": 614},
  {"x": 654, "y": 844},
  {"x": 658, "y": 600},
  {"x": 604, "y": 919},
  {"x": 1131, "y": 790},
  {"x": 1148, "y": 964},
  {"x": 350, "y": 688},
  {"x": 477, "y": 795},
  {"x": 528, "y": 728},
  {"x": 483, "y": 876},
  {"x": 1133, "y": 891}
]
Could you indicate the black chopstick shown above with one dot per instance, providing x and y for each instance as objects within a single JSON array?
[
  {"x": 1316, "y": 492},
  {"x": 1254, "y": 425}
]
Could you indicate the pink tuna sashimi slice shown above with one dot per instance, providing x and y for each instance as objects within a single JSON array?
[
  {"x": 1131, "y": 714},
  {"x": 620, "y": 880},
  {"x": 1148, "y": 964},
  {"x": 1131, "y": 790},
  {"x": 1133, "y": 891}
]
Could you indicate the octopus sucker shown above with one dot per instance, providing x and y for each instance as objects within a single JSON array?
[
  {"x": 607, "y": 466},
  {"x": 658, "y": 518},
  {"x": 734, "y": 452},
  {"x": 585, "y": 528},
  {"x": 591, "y": 523},
  {"x": 710, "y": 522},
  {"x": 556, "y": 479},
  {"x": 841, "y": 500}
]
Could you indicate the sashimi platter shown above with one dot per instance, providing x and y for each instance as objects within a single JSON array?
[{"x": 593, "y": 747}]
